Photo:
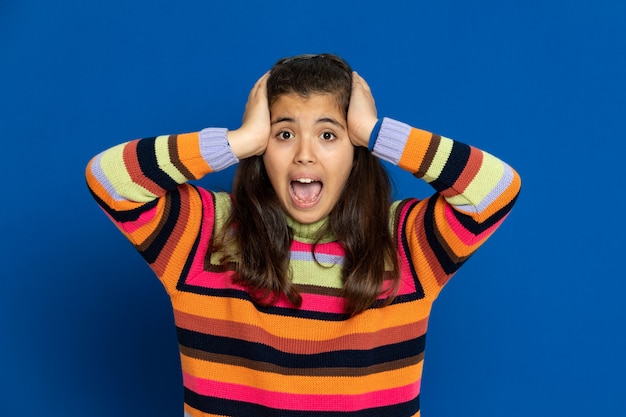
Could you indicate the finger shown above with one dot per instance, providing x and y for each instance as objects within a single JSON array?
[
  {"x": 258, "y": 85},
  {"x": 262, "y": 82},
  {"x": 359, "y": 81}
]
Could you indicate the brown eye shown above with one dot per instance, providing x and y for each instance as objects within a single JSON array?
[
  {"x": 284, "y": 135},
  {"x": 328, "y": 136}
]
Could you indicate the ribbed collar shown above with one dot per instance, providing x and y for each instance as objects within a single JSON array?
[{"x": 310, "y": 233}]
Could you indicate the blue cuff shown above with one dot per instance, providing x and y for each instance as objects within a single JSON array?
[{"x": 374, "y": 134}]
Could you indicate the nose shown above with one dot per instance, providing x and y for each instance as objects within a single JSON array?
[{"x": 305, "y": 151}]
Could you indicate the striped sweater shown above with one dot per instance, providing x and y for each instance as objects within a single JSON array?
[{"x": 239, "y": 359}]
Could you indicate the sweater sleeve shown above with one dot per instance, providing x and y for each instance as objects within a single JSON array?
[
  {"x": 142, "y": 185},
  {"x": 474, "y": 192},
  {"x": 138, "y": 172}
]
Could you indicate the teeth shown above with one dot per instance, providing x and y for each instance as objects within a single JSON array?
[{"x": 305, "y": 180}]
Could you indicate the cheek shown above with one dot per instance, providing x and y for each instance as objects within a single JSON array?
[
  {"x": 272, "y": 168},
  {"x": 343, "y": 169}
]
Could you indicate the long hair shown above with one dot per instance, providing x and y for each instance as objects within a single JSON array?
[{"x": 257, "y": 231}]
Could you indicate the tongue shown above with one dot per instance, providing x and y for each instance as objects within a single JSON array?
[{"x": 306, "y": 192}]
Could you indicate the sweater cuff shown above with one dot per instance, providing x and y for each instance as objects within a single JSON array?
[
  {"x": 215, "y": 149},
  {"x": 391, "y": 140},
  {"x": 374, "y": 134}
]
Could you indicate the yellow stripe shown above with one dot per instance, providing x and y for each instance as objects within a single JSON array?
[
  {"x": 161, "y": 146},
  {"x": 440, "y": 159},
  {"x": 97, "y": 187},
  {"x": 487, "y": 177},
  {"x": 309, "y": 273},
  {"x": 120, "y": 177}
]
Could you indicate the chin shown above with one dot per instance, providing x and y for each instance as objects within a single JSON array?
[{"x": 306, "y": 218}]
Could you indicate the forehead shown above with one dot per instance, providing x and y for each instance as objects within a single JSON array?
[{"x": 312, "y": 104}]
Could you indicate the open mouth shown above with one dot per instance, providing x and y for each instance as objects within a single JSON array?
[{"x": 305, "y": 192}]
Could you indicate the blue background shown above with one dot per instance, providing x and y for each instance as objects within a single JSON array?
[{"x": 532, "y": 325}]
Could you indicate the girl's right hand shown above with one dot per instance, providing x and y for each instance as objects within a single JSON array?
[{"x": 253, "y": 135}]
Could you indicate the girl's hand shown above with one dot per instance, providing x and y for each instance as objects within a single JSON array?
[
  {"x": 361, "y": 113},
  {"x": 252, "y": 137}
]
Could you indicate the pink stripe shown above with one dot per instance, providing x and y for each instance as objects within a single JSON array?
[
  {"x": 332, "y": 248},
  {"x": 304, "y": 402},
  {"x": 467, "y": 237},
  {"x": 208, "y": 218},
  {"x": 311, "y": 302},
  {"x": 317, "y": 302},
  {"x": 143, "y": 219},
  {"x": 407, "y": 284}
]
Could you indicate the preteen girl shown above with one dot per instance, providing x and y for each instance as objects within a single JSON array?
[{"x": 305, "y": 292}]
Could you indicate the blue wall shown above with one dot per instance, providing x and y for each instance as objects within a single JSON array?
[{"x": 532, "y": 325}]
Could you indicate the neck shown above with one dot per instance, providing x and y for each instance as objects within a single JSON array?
[{"x": 311, "y": 232}]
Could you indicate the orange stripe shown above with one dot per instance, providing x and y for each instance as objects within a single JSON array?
[
  {"x": 243, "y": 311},
  {"x": 415, "y": 150},
  {"x": 197, "y": 413},
  {"x": 428, "y": 268},
  {"x": 456, "y": 248},
  {"x": 141, "y": 235},
  {"x": 189, "y": 154}
]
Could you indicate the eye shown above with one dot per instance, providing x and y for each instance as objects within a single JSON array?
[
  {"x": 284, "y": 135},
  {"x": 327, "y": 136}
]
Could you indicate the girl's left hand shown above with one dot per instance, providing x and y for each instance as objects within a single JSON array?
[{"x": 361, "y": 113}]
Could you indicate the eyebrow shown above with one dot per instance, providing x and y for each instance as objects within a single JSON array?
[
  {"x": 322, "y": 120},
  {"x": 283, "y": 119}
]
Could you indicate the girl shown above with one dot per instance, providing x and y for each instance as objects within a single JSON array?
[{"x": 306, "y": 292}]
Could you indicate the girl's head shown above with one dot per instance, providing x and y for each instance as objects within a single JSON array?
[{"x": 309, "y": 155}]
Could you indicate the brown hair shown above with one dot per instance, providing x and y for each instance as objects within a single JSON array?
[{"x": 359, "y": 221}]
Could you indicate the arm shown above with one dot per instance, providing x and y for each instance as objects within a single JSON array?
[
  {"x": 142, "y": 184},
  {"x": 474, "y": 191},
  {"x": 130, "y": 178}
]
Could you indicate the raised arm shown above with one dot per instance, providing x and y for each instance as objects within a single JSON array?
[
  {"x": 136, "y": 173},
  {"x": 474, "y": 190}
]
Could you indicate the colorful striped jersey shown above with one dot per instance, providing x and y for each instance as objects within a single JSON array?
[{"x": 240, "y": 359}]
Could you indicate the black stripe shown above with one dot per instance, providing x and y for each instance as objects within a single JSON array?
[
  {"x": 146, "y": 155},
  {"x": 448, "y": 264},
  {"x": 419, "y": 290},
  {"x": 459, "y": 155},
  {"x": 126, "y": 215},
  {"x": 224, "y": 407},
  {"x": 478, "y": 227},
  {"x": 163, "y": 232},
  {"x": 267, "y": 354}
]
